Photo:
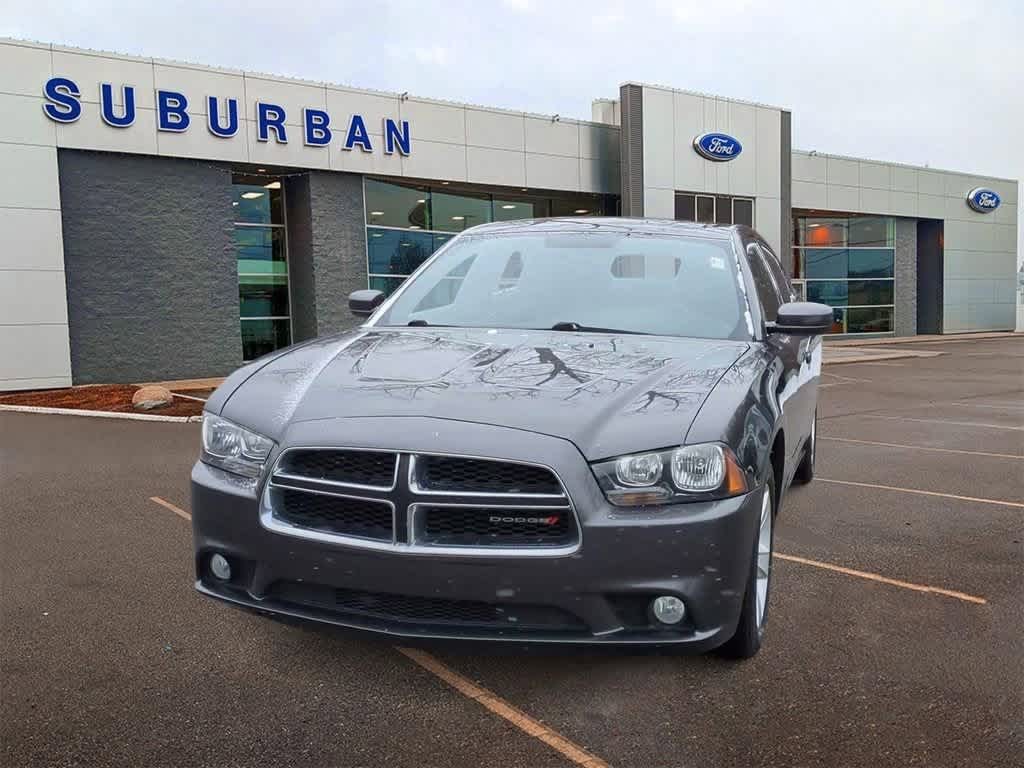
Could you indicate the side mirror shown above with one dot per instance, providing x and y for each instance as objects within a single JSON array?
[
  {"x": 362, "y": 303},
  {"x": 802, "y": 318}
]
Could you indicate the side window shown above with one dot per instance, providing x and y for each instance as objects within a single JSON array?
[
  {"x": 781, "y": 278},
  {"x": 764, "y": 282}
]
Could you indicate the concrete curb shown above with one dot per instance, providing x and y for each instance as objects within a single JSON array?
[{"x": 99, "y": 414}]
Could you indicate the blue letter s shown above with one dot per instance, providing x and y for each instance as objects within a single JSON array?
[{"x": 62, "y": 100}]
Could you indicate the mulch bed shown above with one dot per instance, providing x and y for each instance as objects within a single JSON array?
[{"x": 103, "y": 397}]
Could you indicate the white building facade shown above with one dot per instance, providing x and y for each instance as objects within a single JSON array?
[{"x": 169, "y": 220}]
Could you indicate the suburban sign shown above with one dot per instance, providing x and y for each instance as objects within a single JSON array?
[
  {"x": 717, "y": 146},
  {"x": 63, "y": 105},
  {"x": 983, "y": 200}
]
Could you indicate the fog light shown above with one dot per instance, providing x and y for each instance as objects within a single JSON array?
[
  {"x": 221, "y": 568},
  {"x": 668, "y": 609}
]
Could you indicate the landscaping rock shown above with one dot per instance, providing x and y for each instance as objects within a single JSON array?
[{"x": 148, "y": 398}]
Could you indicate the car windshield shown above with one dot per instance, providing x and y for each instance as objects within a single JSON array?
[{"x": 579, "y": 281}]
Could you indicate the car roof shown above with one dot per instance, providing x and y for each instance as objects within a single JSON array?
[{"x": 611, "y": 223}]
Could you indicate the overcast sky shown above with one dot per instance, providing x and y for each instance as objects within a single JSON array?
[{"x": 937, "y": 82}]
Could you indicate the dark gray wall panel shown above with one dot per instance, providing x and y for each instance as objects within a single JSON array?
[
  {"x": 631, "y": 149},
  {"x": 301, "y": 276},
  {"x": 786, "y": 193},
  {"x": 338, "y": 248},
  {"x": 930, "y": 265},
  {"x": 151, "y": 271},
  {"x": 905, "y": 271}
]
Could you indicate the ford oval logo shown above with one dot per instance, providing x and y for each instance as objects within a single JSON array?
[
  {"x": 717, "y": 146},
  {"x": 983, "y": 200}
]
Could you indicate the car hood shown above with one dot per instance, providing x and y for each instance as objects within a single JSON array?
[{"x": 607, "y": 393}]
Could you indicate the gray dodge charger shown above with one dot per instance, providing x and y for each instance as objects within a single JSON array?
[{"x": 560, "y": 430}]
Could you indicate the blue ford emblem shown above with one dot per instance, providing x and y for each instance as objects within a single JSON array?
[
  {"x": 717, "y": 146},
  {"x": 983, "y": 200}
]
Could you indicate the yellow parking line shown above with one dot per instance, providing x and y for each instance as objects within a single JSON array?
[
  {"x": 925, "y": 493},
  {"x": 883, "y": 579},
  {"x": 941, "y": 421},
  {"x": 504, "y": 710},
  {"x": 924, "y": 448},
  {"x": 176, "y": 510}
]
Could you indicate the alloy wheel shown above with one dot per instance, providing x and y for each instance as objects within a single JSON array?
[{"x": 764, "y": 554}]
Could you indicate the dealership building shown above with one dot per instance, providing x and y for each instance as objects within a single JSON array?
[{"x": 167, "y": 220}]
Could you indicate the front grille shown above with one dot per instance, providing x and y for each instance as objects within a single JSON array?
[
  {"x": 428, "y": 611},
  {"x": 334, "y": 514},
  {"x": 372, "y": 468},
  {"x": 454, "y": 473},
  {"x": 419, "y": 501},
  {"x": 489, "y": 526}
]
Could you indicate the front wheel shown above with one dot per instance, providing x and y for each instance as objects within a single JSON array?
[
  {"x": 805, "y": 472},
  {"x": 750, "y": 630}
]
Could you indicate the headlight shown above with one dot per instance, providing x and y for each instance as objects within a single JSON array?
[
  {"x": 234, "y": 448},
  {"x": 689, "y": 473}
]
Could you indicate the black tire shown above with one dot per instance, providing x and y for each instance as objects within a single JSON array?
[
  {"x": 805, "y": 472},
  {"x": 746, "y": 642}
]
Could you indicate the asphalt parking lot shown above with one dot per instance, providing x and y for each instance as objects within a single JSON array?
[{"x": 896, "y": 634}]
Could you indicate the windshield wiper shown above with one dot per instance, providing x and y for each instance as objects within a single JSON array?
[{"x": 591, "y": 329}]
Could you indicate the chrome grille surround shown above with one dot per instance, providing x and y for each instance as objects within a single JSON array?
[{"x": 406, "y": 498}]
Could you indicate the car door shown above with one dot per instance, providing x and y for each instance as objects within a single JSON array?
[
  {"x": 809, "y": 352},
  {"x": 788, "y": 354}
]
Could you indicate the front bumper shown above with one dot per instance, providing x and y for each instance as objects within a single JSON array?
[{"x": 700, "y": 552}]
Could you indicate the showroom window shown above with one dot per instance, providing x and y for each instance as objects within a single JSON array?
[
  {"x": 714, "y": 209},
  {"x": 407, "y": 222},
  {"x": 847, "y": 262},
  {"x": 259, "y": 233}
]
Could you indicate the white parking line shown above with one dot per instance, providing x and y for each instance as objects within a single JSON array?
[
  {"x": 923, "y": 448},
  {"x": 940, "y": 421},
  {"x": 920, "y": 492}
]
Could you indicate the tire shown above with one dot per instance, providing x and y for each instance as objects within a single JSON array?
[
  {"x": 805, "y": 472},
  {"x": 746, "y": 642}
]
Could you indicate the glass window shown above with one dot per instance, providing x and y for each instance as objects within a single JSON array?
[
  {"x": 705, "y": 209},
  {"x": 398, "y": 252},
  {"x": 871, "y": 231},
  {"x": 869, "y": 320},
  {"x": 743, "y": 211},
  {"x": 778, "y": 273},
  {"x": 764, "y": 283},
  {"x": 582, "y": 205},
  {"x": 723, "y": 210},
  {"x": 454, "y": 213},
  {"x": 510, "y": 209},
  {"x": 260, "y": 250},
  {"x": 688, "y": 286},
  {"x": 871, "y": 262},
  {"x": 255, "y": 201},
  {"x": 260, "y": 337},
  {"x": 685, "y": 207},
  {"x": 263, "y": 295},
  {"x": 397, "y": 205},
  {"x": 385, "y": 284},
  {"x": 262, "y": 262},
  {"x": 842, "y": 293}
]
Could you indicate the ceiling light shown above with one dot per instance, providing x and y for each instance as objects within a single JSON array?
[
  {"x": 445, "y": 183},
  {"x": 272, "y": 185},
  {"x": 508, "y": 207},
  {"x": 581, "y": 211},
  {"x": 406, "y": 244},
  {"x": 422, "y": 200},
  {"x": 414, "y": 226},
  {"x": 376, "y": 213},
  {"x": 458, "y": 218},
  {"x": 252, "y": 195},
  {"x": 261, "y": 170},
  {"x": 234, "y": 202},
  {"x": 524, "y": 189},
  {"x": 813, "y": 225},
  {"x": 376, "y": 234}
]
